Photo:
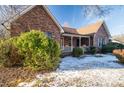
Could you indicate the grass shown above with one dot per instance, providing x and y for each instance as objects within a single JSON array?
[{"x": 11, "y": 77}]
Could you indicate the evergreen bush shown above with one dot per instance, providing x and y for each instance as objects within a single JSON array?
[
  {"x": 93, "y": 50},
  {"x": 77, "y": 52},
  {"x": 31, "y": 49},
  {"x": 9, "y": 55}
]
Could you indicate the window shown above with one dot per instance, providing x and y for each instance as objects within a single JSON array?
[
  {"x": 101, "y": 42},
  {"x": 49, "y": 34},
  {"x": 98, "y": 42}
]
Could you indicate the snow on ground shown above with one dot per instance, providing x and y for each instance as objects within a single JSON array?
[
  {"x": 89, "y": 62},
  {"x": 88, "y": 70}
]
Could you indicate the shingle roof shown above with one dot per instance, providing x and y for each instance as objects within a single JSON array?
[
  {"x": 89, "y": 29},
  {"x": 69, "y": 30}
]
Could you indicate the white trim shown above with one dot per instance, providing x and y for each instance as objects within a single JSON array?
[
  {"x": 71, "y": 43},
  {"x": 115, "y": 41},
  {"x": 94, "y": 36},
  {"x": 74, "y": 35},
  {"x": 62, "y": 43}
]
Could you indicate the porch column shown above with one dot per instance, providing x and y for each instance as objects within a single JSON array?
[
  {"x": 63, "y": 46},
  {"x": 80, "y": 42},
  {"x": 71, "y": 43},
  {"x": 89, "y": 40}
]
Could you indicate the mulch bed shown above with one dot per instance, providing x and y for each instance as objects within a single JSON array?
[{"x": 10, "y": 77}]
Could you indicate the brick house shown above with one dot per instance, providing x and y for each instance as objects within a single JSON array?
[
  {"x": 95, "y": 34},
  {"x": 39, "y": 17}
]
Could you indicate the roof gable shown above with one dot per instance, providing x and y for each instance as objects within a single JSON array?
[
  {"x": 90, "y": 29},
  {"x": 7, "y": 22},
  {"x": 106, "y": 29}
]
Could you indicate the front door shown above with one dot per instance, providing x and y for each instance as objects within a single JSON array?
[{"x": 77, "y": 42}]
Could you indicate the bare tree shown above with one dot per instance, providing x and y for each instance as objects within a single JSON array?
[
  {"x": 96, "y": 10},
  {"x": 119, "y": 37},
  {"x": 6, "y": 13}
]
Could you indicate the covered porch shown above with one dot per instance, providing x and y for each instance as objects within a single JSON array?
[{"x": 70, "y": 41}]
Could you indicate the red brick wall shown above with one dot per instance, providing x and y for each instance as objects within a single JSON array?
[
  {"x": 101, "y": 33},
  {"x": 84, "y": 41},
  {"x": 67, "y": 41},
  {"x": 38, "y": 19}
]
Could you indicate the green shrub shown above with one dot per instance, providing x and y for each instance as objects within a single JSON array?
[
  {"x": 9, "y": 55},
  {"x": 31, "y": 49},
  {"x": 111, "y": 46},
  {"x": 93, "y": 50},
  {"x": 39, "y": 52},
  {"x": 77, "y": 52},
  {"x": 107, "y": 49},
  {"x": 54, "y": 52}
]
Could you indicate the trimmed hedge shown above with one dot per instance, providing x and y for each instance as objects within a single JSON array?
[
  {"x": 93, "y": 50},
  {"x": 77, "y": 52},
  {"x": 111, "y": 46},
  {"x": 33, "y": 49}
]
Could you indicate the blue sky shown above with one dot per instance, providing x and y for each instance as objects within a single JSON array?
[{"x": 72, "y": 15}]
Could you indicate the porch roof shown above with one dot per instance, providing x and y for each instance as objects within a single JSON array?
[
  {"x": 73, "y": 31},
  {"x": 69, "y": 30},
  {"x": 84, "y": 31}
]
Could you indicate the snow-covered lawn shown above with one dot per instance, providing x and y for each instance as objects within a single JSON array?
[
  {"x": 89, "y": 62},
  {"x": 88, "y": 70}
]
